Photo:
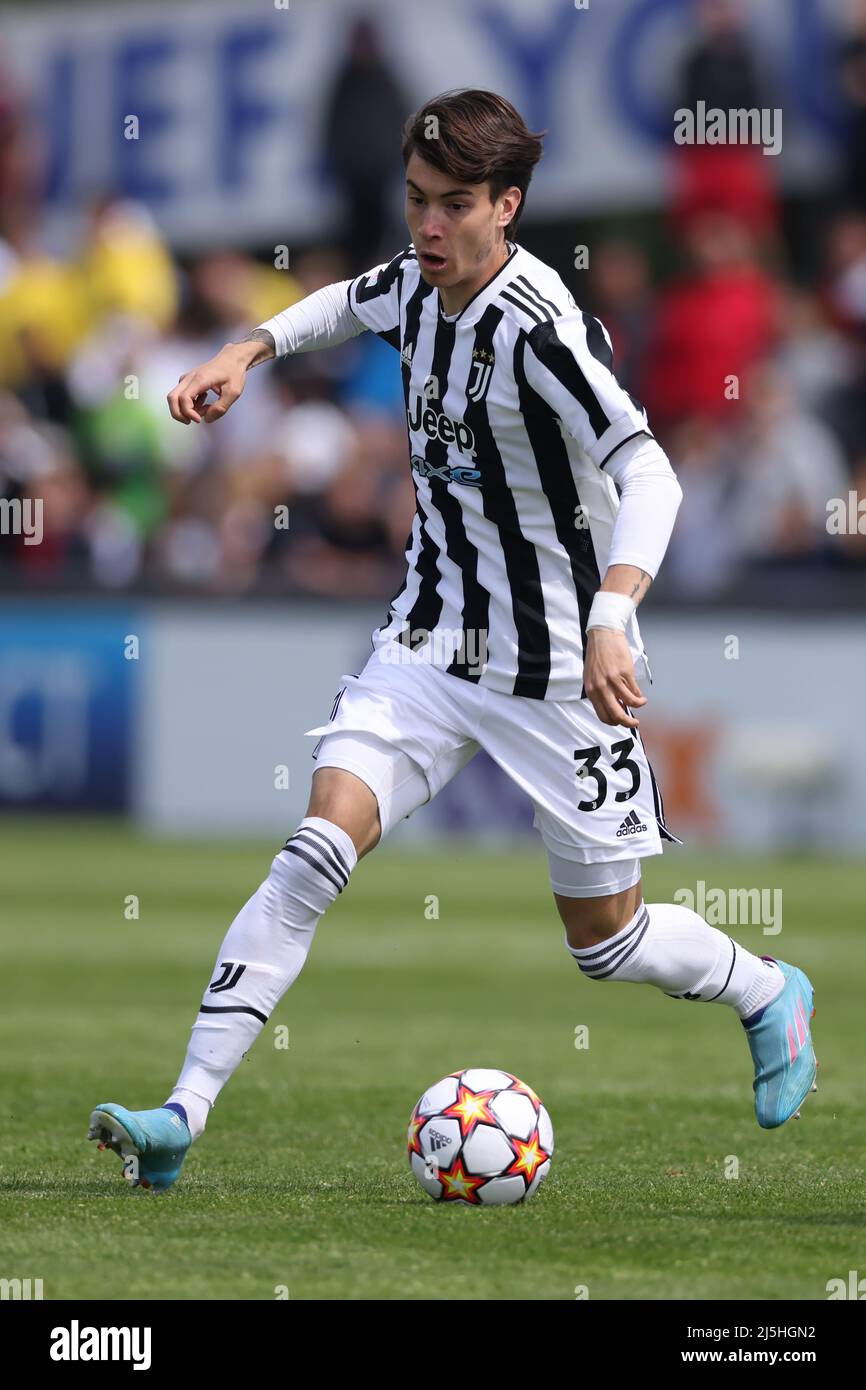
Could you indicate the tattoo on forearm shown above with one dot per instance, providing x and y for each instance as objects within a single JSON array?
[
  {"x": 642, "y": 584},
  {"x": 269, "y": 347}
]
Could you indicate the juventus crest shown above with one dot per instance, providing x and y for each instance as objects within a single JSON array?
[
  {"x": 483, "y": 362},
  {"x": 228, "y": 977}
]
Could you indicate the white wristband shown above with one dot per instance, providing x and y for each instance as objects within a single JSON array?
[{"x": 611, "y": 610}]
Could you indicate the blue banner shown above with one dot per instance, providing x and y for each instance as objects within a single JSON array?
[{"x": 67, "y": 675}]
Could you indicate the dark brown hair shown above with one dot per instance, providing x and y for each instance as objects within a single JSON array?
[{"x": 479, "y": 137}]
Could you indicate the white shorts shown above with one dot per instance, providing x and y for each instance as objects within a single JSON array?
[{"x": 406, "y": 728}]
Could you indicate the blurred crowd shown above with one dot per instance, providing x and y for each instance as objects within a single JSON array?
[
  {"x": 753, "y": 374},
  {"x": 751, "y": 357}
]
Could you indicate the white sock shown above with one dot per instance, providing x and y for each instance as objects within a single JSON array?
[
  {"x": 670, "y": 946},
  {"x": 262, "y": 954},
  {"x": 196, "y": 1108}
]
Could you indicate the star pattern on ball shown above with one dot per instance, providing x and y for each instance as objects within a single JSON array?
[
  {"x": 458, "y": 1185},
  {"x": 470, "y": 1109},
  {"x": 413, "y": 1141},
  {"x": 530, "y": 1156},
  {"x": 521, "y": 1089}
]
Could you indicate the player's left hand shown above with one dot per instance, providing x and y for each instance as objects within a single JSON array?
[{"x": 609, "y": 679}]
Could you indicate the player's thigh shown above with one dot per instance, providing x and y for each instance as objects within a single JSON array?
[
  {"x": 365, "y": 785},
  {"x": 399, "y": 734},
  {"x": 410, "y": 705}
]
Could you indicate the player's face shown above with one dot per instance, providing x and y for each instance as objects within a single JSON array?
[{"x": 457, "y": 231}]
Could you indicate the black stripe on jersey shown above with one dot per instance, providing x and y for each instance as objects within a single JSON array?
[
  {"x": 519, "y": 554},
  {"x": 560, "y": 361},
  {"x": 392, "y": 336},
  {"x": 601, "y": 351},
  {"x": 535, "y": 312},
  {"x": 413, "y": 321},
  {"x": 458, "y": 547},
  {"x": 597, "y": 342},
  {"x": 560, "y": 489},
  {"x": 535, "y": 294},
  {"x": 427, "y": 608},
  {"x": 366, "y": 289}
]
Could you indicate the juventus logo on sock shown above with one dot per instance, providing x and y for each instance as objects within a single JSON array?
[{"x": 231, "y": 973}]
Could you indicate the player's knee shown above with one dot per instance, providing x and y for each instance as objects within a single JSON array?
[
  {"x": 345, "y": 799},
  {"x": 590, "y": 921},
  {"x": 581, "y": 935}
]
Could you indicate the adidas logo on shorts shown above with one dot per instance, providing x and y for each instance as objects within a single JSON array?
[{"x": 632, "y": 825}]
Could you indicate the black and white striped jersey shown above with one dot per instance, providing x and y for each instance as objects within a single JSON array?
[{"x": 513, "y": 412}]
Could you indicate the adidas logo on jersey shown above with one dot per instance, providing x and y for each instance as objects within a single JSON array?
[{"x": 632, "y": 825}]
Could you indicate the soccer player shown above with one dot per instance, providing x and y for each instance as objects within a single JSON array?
[{"x": 543, "y": 509}]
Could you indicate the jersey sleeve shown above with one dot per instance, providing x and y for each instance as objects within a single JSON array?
[
  {"x": 323, "y": 319},
  {"x": 568, "y": 361},
  {"x": 374, "y": 297}
]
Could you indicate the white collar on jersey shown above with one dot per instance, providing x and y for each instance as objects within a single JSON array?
[{"x": 474, "y": 303}]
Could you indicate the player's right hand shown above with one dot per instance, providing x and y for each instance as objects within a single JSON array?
[
  {"x": 224, "y": 374},
  {"x": 609, "y": 679}
]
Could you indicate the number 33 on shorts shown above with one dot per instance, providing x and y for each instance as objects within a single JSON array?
[{"x": 611, "y": 806}]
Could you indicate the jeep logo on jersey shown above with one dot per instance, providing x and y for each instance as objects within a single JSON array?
[
  {"x": 449, "y": 473},
  {"x": 423, "y": 417},
  {"x": 482, "y": 367}
]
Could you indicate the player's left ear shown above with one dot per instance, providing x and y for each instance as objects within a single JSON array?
[{"x": 509, "y": 201}]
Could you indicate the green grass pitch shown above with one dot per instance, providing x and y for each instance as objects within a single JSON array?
[{"x": 301, "y": 1180}]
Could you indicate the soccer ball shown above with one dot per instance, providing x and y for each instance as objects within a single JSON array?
[{"x": 481, "y": 1137}]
